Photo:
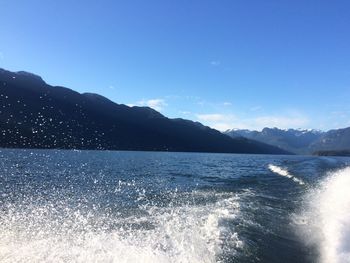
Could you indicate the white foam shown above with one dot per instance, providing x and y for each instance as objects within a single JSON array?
[
  {"x": 283, "y": 172},
  {"x": 188, "y": 233},
  {"x": 328, "y": 218}
]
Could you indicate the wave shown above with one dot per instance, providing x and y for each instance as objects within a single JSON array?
[
  {"x": 283, "y": 172},
  {"x": 55, "y": 232},
  {"x": 327, "y": 218}
]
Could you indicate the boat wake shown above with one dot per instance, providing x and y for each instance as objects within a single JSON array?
[{"x": 283, "y": 172}]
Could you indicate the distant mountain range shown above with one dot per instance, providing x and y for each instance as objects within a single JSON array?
[
  {"x": 300, "y": 141},
  {"x": 34, "y": 114}
]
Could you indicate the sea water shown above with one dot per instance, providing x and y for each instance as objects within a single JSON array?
[{"x": 110, "y": 206}]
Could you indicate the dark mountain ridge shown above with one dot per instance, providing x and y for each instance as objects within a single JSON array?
[{"x": 34, "y": 114}]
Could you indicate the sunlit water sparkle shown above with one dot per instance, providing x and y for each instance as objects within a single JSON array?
[{"x": 91, "y": 206}]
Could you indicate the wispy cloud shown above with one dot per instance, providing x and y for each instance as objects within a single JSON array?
[
  {"x": 338, "y": 119},
  {"x": 256, "y": 108},
  {"x": 157, "y": 104},
  {"x": 224, "y": 122},
  {"x": 226, "y": 103},
  {"x": 201, "y": 103},
  {"x": 212, "y": 117},
  {"x": 111, "y": 87},
  {"x": 281, "y": 121},
  {"x": 215, "y": 63},
  {"x": 217, "y": 121}
]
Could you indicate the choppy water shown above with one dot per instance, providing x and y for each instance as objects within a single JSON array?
[{"x": 90, "y": 206}]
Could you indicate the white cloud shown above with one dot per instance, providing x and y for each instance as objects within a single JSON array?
[
  {"x": 283, "y": 122},
  {"x": 224, "y": 122},
  {"x": 226, "y": 103},
  {"x": 215, "y": 63},
  {"x": 222, "y": 126},
  {"x": 213, "y": 117},
  {"x": 157, "y": 104},
  {"x": 217, "y": 121}
]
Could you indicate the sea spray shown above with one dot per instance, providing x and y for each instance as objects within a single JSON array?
[
  {"x": 56, "y": 232},
  {"x": 326, "y": 220}
]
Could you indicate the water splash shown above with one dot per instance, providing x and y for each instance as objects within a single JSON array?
[
  {"x": 283, "y": 172},
  {"x": 327, "y": 218},
  {"x": 55, "y": 232}
]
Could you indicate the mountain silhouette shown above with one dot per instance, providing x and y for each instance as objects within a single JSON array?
[{"x": 34, "y": 114}]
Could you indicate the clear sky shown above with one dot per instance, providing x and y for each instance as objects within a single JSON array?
[{"x": 225, "y": 63}]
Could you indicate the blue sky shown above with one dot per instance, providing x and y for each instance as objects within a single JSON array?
[{"x": 225, "y": 63}]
